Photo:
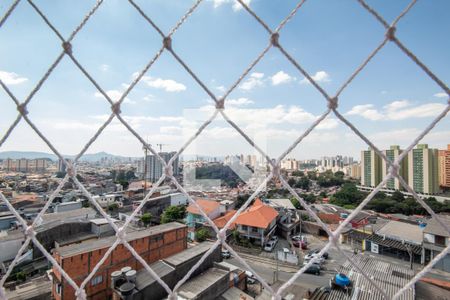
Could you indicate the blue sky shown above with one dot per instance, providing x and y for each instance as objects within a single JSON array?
[{"x": 390, "y": 101}]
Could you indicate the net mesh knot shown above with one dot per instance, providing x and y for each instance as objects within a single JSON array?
[
  {"x": 390, "y": 33},
  {"x": 274, "y": 39},
  {"x": 67, "y": 46},
  {"x": 81, "y": 294},
  {"x": 22, "y": 108},
  {"x": 222, "y": 235},
  {"x": 116, "y": 108},
  {"x": 333, "y": 103},
  {"x": 168, "y": 170},
  {"x": 121, "y": 234},
  {"x": 394, "y": 169},
  {"x": 220, "y": 104},
  {"x": 29, "y": 232},
  {"x": 167, "y": 42}
]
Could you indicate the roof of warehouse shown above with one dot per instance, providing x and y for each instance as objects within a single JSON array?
[
  {"x": 387, "y": 276},
  {"x": 197, "y": 285},
  {"x": 86, "y": 246},
  {"x": 189, "y": 253}
]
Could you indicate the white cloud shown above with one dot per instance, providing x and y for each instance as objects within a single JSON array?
[
  {"x": 169, "y": 85},
  {"x": 397, "y": 110},
  {"x": 320, "y": 76},
  {"x": 366, "y": 111},
  {"x": 115, "y": 96},
  {"x": 255, "y": 80},
  {"x": 281, "y": 77},
  {"x": 11, "y": 78},
  {"x": 221, "y": 88},
  {"x": 104, "y": 68},
  {"x": 235, "y": 4},
  {"x": 238, "y": 102},
  {"x": 441, "y": 95}
]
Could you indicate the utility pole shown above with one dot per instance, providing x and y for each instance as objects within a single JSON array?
[{"x": 408, "y": 248}]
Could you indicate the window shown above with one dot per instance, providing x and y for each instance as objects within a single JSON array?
[
  {"x": 254, "y": 229},
  {"x": 244, "y": 227},
  {"x": 58, "y": 288},
  {"x": 439, "y": 240},
  {"x": 97, "y": 280}
]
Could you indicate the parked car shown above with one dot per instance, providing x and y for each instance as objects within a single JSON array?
[
  {"x": 269, "y": 246},
  {"x": 226, "y": 253},
  {"x": 274, "y": 238},
  {"x": 250, "y": 277},
  {"x": 314, "y": 263},
  {"x": 313, "y": 269},
  {"x": 309, "y": 257},
  {"x": 286, "y": 250},
  {"x": 315, "y": 251}
]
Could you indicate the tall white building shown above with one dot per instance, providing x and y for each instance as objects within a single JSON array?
[{"x": 155, "y": 167}]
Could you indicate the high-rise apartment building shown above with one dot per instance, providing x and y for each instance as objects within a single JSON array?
[
  {"x": 289, "y": 164},
  {"x": 392, "y": 154},
  {"x": 371, "y": 172},
  {"x": 154, "y": 166},
  {"x": 423, "y": 169},
  {"x": 444, "y": 167}
]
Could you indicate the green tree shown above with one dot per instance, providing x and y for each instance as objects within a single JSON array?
[
  {"x": 291, "y": 181},
  {"x": 113, "y": 207},
  {"x": 236, "y": 236},
  {"x": 295, "y": 202},
  {"x": 173, "y": 213},
  {"x": 298, "y": 173},
  {"x": 146, "y": 218},
  {"x": 202, "y": 234},
  {"x": 20, "y": 276}
]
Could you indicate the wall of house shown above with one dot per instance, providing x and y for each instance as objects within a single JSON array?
[{"x": 150, "y": 248}]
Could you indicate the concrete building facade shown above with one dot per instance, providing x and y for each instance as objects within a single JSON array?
[
  {"x": 371, "y": 170},
  {"x": 78, "y": 260},
  {"x": 444, "y": 167},
  {"x": 392, "y": 154},
  {"x": 154, "y": 166},
  {"x": 423, "y": 169},
  {"x": 25, "y": 165}
]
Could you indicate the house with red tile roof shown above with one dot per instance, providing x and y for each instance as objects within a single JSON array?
[
  {"x": 257, "y": 223},
  {"x": 222, "y": 221},
  {"x": 195, "y": 219}
]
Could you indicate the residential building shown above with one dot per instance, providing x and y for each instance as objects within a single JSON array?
[
  {"x": 435, "y": 239},
  {"x": 371, "y": 172},
  {"x": 423, "y": 169},
  {"x": 78, "y": 260},
  {"x": 25, "y": 165},
  {"x": 355, "y": 171},
  {"x": 195, "y": 219},
  {"x": 444, "y": 167},
  {"x": 392, "y": 154},
  {"x": 171, "y": 270},
  {"x": 257, "y": 223},
  {"x": 290, "y": 164},
  {"x": 154, "y": 167}
]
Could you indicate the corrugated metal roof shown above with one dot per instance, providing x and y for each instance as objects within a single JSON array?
[
  {"x": 188, "y": 254},
  {"x": 195, "y": 286},
  {"x": 389, "y": 277},
  {"x": 434, "y": 227},
  {"x": 144, "y": 279}
]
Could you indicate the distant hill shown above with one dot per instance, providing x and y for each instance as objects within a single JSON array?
[{"x": 92, "y": 157}]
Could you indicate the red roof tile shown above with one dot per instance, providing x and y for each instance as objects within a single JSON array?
[
  {"x": 207, "y": 206},
  {"x": 258, "y": 215}
]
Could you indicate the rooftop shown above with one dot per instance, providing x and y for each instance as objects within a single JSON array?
[
  {"x": 258, "y": 215},
  {"x": 196, "y": 286},
  {"x": 144, "y": 279},
  {"x": 280, "y": 203},
  {"x": 402, "y": 231},
  {"x": 222, "y": 221},
  {"x": 188, "y": 254},
  {"x": 389, "y": 277},
  {"x": 207, "y": 206},
  {"x": 87, "y": 246},
  {"x": 434, "y": 227}
]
